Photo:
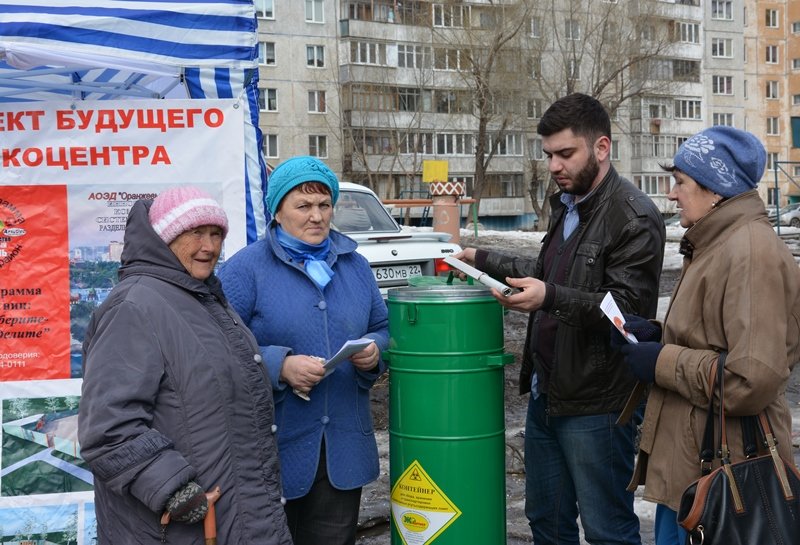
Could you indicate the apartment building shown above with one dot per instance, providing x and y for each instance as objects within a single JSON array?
[
  {"x": 772, "y": 68},
  {"x": 376, "y": 87}
]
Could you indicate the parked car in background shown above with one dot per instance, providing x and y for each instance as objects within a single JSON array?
[
  {"x": 789, "y": 215},
  {"x": 394, "y": 254}
]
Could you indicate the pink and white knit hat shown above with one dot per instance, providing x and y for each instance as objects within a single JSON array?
[{"x": 179, "y": 209}]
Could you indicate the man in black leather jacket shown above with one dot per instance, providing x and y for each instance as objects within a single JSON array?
[{"x": 605, "y": 235}]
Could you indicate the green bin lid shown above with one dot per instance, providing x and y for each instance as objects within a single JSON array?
[{"x": 441, "y": 292}]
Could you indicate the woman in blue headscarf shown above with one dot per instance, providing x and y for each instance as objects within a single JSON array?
[{"x": 304, "y": 291}]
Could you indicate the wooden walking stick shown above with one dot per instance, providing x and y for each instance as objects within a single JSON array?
[{"x": 210, "y": 522}]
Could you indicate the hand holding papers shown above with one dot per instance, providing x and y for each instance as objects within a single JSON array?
[
  {"x": 611, "y": 310},
  {"x": 348, "y": 349},
  {"x": 480, "y": 276}
]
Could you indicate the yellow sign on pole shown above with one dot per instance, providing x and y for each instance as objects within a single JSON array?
[{"x": 434, "y": 171}]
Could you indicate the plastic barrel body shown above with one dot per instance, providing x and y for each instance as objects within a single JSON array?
[{"x": 446, "y": 416}]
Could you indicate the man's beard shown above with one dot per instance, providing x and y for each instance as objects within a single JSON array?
[{"x": 585, "y": 178}]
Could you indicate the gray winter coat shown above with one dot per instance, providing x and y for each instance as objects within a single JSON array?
[{"x": 174, "y": 390}]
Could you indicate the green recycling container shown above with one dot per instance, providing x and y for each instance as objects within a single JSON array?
[{"x": 446, "y": 416}]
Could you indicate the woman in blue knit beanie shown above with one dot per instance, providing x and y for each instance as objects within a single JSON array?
[
  {"x": 304, "y": 291},
  {"x": 739, "y": 293}
]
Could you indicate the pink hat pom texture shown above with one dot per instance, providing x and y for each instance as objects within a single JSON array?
[{"x": 179, "y": 209}]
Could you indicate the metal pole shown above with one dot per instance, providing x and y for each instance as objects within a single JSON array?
[{"x": 777, "y": 199}]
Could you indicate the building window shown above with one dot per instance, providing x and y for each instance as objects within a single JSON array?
[
  {"x": 574, "y": 69},
  {"x": 265, "y": 9},
  {"x": 722, "y": 85},
  {"x": 410, "y": 143},
  {"x": 722, "y": 9},
  {"x": 368, "y": 53},
  {"x": 773, "y": 126},
  {"x": 409, "y": 99},
  {"x": 316, "y": 102},
  {"x": 450, "y": 16},
  {"x": 315, "y": 56},
  {"x": 722, "y": 119},
  {"x": 772, "y": 54},
  {"x": 795, "y": 64},
  {"x": 534, "y": 108},
  {"x": 771, "y": 18},
  {"x": 413, "y": 56},
  {"x": 655, "y": 108},
  {"x": 722, "y": 48},
  {"x": 687, "y": 109},
  {"x": 266, "y": 53},
  {"x": 536, "y": 27},
  {"x": 446, "y": 59},
  {"x": 268, "y": 100},
  {"x": 314, "y": 11},
  {"x": 653, "y": 184},
  {"x": 455, "y": 144},
  {"x": 269, "y": 145},
  {"x": 685, "y": 70},
  {"x": 772, "y": 160},
  {"x": 615, "y": 150},
  {"x": 796, "y": 27},
  {"x": 796, "y": 171},
  {"x": 535, "y": 67},
  {"x": 510, "y": 145},
  {"x": 535, "y": 147},
  {"x": 318, "y": 146},
  {"x": 772, "y": 89},
  {"x": 510, "y": 185},
  {"x": 795, "y": 100},
  {"x": 687, "y": 33},
  {"x": 572, "y": 29}
]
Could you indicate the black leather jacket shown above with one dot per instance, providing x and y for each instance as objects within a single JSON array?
[{"x": 620, "y": 249}]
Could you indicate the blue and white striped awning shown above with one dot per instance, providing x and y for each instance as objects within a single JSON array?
[{"x": 115, "y": 49}]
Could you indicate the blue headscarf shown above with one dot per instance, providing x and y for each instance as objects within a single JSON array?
[{"x": 313, "y": 256}]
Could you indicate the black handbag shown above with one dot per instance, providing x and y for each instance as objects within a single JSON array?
[{"x": 752, "y": 502}]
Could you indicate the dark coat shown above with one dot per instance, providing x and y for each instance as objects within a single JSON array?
[
  {"x": 620, "y": 249},
  {"x": 174, "y": 390}
]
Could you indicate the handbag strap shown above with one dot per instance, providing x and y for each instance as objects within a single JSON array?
[{"x": 707, "y": 452}]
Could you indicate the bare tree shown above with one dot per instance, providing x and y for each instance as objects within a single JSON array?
[
  {"x": 486, "y": 39},
  {"x": 612, "y": 51}
]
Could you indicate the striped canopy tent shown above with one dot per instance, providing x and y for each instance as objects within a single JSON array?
[{"x": 117, "y": 49}]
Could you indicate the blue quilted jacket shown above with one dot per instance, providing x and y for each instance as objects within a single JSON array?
[{"x": 289, "y": 314}]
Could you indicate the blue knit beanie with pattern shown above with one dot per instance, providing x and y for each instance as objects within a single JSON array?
[
  {"x": 723, "y": 159},
  {"x": 294, "y": 172}
]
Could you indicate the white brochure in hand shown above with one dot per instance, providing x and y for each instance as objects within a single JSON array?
[
  {"x": 611, "y": 310},
  {"x": 348, "y": 349}
]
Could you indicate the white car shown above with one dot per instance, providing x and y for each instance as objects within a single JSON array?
[
  {"x": 395, "y": 255},
  {"x": 790, "y": 215}
]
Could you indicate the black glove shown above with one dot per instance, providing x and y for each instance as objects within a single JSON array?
[
  {"x": 642, "y": 358},
  {"x": 188, "y": 504},
  {"x": 644, "y": 330}
]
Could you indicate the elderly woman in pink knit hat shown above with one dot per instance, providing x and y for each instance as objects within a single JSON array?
[{"x": 175, "y": 399}]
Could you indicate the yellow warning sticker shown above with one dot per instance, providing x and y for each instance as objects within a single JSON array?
[{"x": 420, "y": 509}]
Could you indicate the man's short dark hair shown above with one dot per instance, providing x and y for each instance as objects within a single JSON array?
[{"x": 585, "y": 115}]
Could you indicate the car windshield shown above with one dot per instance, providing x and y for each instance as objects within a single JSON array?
[{"x": 357, "y": 211}]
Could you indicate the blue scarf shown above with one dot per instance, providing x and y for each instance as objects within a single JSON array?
[{"x": 313, "y": 255}]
